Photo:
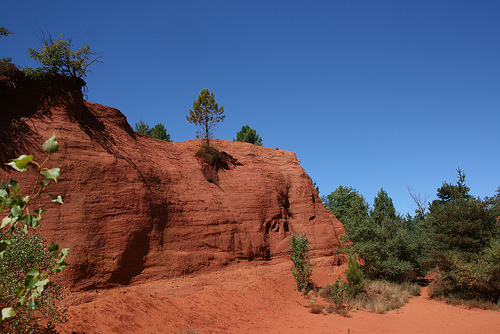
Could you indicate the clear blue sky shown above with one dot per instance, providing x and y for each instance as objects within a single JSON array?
[{"x": 368, "y": 94}]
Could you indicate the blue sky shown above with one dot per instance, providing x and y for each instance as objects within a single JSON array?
[{"x": 368, "y": 94}]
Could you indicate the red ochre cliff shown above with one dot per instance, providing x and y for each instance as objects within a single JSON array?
[{"x": 137, "y": 208}]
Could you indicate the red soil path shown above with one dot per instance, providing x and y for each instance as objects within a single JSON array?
[{"x": 255, "y": 297}]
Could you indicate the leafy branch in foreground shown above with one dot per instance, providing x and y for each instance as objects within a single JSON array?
[{"x": 19, "y": 219}]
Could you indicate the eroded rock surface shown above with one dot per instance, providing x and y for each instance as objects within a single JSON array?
[{"x": 137, "y": 208}]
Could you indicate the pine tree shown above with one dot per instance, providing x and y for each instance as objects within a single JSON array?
[
  {"x": 248, "y": 135},
  {"x": 205, "y": 114}
]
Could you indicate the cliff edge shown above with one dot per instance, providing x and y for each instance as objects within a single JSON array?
[{"x": 136, "y": 208}]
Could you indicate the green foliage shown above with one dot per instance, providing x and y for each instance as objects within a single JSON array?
[
  {"x": 142, "y": 128},
  {"x": 248, "y": 135},
  {"x": 4, "y": 32},
  {"x": 301, "y": 270},
  {"x": 205, "y": 114},
  {"x": 392, "y": 246},
  {"x": 8, "y": 60},
  {"x": 30, "y": 287},
  {"x": 23, "y": 254},
  {"x": 57, "y": 57},
  {"x": 158, "y": 131},
  {"x": 354, "y": 276},
  {"x": 350, "y": 208},
  {"x": 466, "y": 243},
  {"x": 382, "y": 207}
]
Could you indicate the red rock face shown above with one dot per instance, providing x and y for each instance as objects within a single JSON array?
[{"x": 137, "y": 208}]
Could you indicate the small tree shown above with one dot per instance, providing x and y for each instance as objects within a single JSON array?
[
  {"x": 142, "y": 128},
  {"x": 301, "y": 270},
  {"x": 5, "y": 32},
  {"x": 205, "y": 114},
  {"x": 57, "y": 57},
  {"x": 248, "y": 135},
  {"x": 158, "y": 131},
  {"x": 354, "y": 276}
]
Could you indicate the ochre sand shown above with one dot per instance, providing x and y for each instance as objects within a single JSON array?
[{"x": 255, "y": 297}]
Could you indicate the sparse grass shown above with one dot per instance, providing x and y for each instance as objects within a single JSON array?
[
  {"x": 378, "y": 296},
  {"x": 189, "y": 330},
  {"x": 316, "y": 308}
]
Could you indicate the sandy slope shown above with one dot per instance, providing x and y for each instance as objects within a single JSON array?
[{"x": 255, "y": 297}]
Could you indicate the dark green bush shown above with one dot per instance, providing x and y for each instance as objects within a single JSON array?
[{"x": 354, "y": 277}]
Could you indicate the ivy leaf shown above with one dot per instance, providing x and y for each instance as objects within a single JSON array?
[
  {"x": 51, "y": 173},
  {"x": 8, "y": 312},
  {"x": 21, "y": 164},
  {"x": 51, "y": 145}
]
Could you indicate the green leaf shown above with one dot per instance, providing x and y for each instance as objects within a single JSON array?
[
  {"x": 13, "y": 185},
  {"x": 53, "y": 247},
  {"x": 57, "y": 199},
  {"x": 21, "y": 164},
  {"x": 34, "y": 272},
  {"x": 30, "y": 220},
  {"x": 42, "y": 283},
  {"x": 8, "y": 312},
  {"x": 30, "y": 282},
  {"x": 31, "y": 304},
  {"x": 51, "y": 145},
  {"x": 3, "y": 246},
  {"x": 51, "y": 173},
  {"x": 21, "y": 300},
  {"x": 16, "y": 211},
  {"x": 7, "y": 220},
  {"x": 19, "y": 292}
]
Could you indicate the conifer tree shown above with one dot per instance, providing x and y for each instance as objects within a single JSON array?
[
  {"x": 248, "y": 135},
  {"x": 205, "y": 114}
]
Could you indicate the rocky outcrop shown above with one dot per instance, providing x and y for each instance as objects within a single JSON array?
[{"x": 137, "y": 208}]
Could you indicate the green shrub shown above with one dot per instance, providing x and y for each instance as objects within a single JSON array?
[
  {"x": 27, "y": 268},
  {"x": 301, "y": 270},
  {"x": 209, "y": 154},
  {"x": 26, "y": 252},
  {"x": 354, "y": 276}
]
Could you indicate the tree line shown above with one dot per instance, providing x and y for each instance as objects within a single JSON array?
[{"x": 457, "y": 237}]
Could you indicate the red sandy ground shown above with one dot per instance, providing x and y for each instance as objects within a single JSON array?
[{"x": 255, "y": 297}]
